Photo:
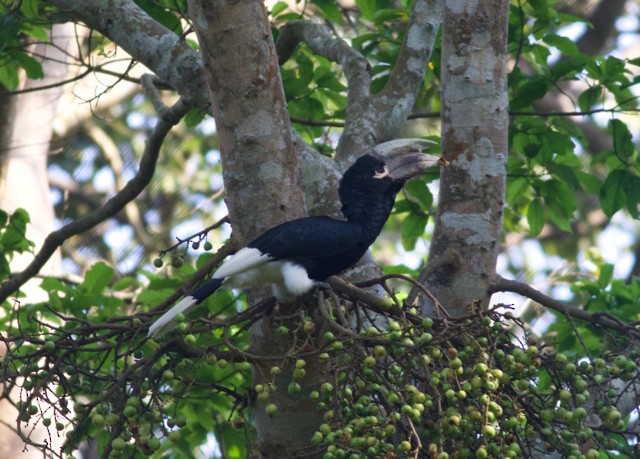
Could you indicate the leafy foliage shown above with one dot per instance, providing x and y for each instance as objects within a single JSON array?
[
  {"x": 481, "y": 386},
  {"x": 470, "y": 387},
  {"x": 12, "y": 238},
  {"x": 17, "y": 22},
  {"x": 85, "y": 368},
  {"x": 547, "y": 150}
]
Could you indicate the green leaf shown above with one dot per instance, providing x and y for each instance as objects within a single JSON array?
[
  {"x": 412, "y": 229},
  {"x": 161, "y": 14},
  {"x": 152, "y": 298},
  {"x": 367, "y": 8},
  {"x": 400, "y": 269},
  {"x": 541, "y": 54},
  {"x": 30, "y": 65},
  {"x": 558, "y": 142},
  {"x": 565, "y": 45},
  {"x": 559, "y": 196},
  {"x": 194, "y": 116},
  {"x": 565, "y": 69},
  {"x": 606, "y": 273},
  {"x": 535, "y": 217},
  {"x": 5, "y": 270},
  {"x": 589, "y": 98},
  {"x": 98, "y": 277},
  {"x": 622, "y": 139},
  {"x": 53, "y": 285},
  {"x": 30, "y": 8},
  {"x": 633, "y": 195},
  {"x": 388, "y": 14},
  {"x": 590, "y": 183},
  {"x": 593, "y": 68},
  {"x": 614, "y": 69},
  {"x": 516, "y": 188},
  {"x": 418, "y": 192},
  {"x": 9, "y": 77},
  {"x": 308, "y": 107},
  {"x": 278, "y": 8},
  {"x": 326, "y": 78},
  {"x": 613, "y": 195},
  {"x": 366, "y": 39},
  {"x": 565, "y": 173},
  {"x": 625, "y": 292},
  {"x": 125, "y": 283},
  {"x": 531, "y": 150},
  {"x": 558, "y": 216},
  {"x": 305, "y": 70},
  {"x": 203, "y": 259},
  {"x": 14, "y": 239},
  {"x": 532, "y": 90},
  {"x": 329, "y": 9},
  {"x": 540, "y": 8},
  {"x": 37, "y": 32},
  {"x": 294, "y": 87}
]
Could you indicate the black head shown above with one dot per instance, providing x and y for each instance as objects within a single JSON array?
[
  {"x": 369, "y": 173},
  {"x": 370, "y": 185}
]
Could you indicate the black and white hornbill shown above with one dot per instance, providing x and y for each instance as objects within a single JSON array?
[{"x": 295, "y": 255}]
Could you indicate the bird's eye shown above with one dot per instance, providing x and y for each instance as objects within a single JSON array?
[{"x": 381, "y": 172}]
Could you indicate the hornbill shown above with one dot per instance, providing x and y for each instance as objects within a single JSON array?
[{"x": 295, "y": 255}]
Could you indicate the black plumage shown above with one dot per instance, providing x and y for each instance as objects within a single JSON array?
[{"x": 296, "y": 254}]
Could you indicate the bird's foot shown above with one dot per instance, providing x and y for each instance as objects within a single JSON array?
[{"x": 322, "y": 285}]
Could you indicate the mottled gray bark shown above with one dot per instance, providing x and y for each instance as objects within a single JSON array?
[
  {"x": 263, "y": 185},
  {"x": 466, "y": 241},
  {"x": 147, "y": 41}
]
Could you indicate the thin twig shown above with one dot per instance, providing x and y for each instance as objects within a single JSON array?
[
  {"x": 200, "y": 233},
  {"x": 200, "y": 274},
  {"x": 331, "y": 321}
]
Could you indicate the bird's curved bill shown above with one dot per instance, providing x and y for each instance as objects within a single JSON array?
[
  {"x": 404, "y": 157},
  {"x": 408, "y": 165}
]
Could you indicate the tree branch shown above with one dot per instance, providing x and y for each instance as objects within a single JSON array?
[
  {"x": 321, "y": 42},
  {"x": 113, "y": 158},
  {"x": 375, "y": 119},
  {"x": 168, "y": 55},
  {"x": 500, "y": 284},
  {"x": 110, "y": 208},
  {"x": 399, "y": 94}
]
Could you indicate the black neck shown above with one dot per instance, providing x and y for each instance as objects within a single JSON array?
[{"x": 370, "y": 209}]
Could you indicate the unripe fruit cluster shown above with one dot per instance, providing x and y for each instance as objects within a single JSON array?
[{"x": 474, "y": 391}]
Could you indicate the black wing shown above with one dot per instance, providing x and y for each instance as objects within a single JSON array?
[{"x": 309, "y": 238}]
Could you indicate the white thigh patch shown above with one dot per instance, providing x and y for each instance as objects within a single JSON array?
[{"x": 296, "y": 280}]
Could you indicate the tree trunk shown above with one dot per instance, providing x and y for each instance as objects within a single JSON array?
[
  {"x": 466, "y": 241},
  {"x": 24, "y": 183},
  {"x": 263, "y": 186}
]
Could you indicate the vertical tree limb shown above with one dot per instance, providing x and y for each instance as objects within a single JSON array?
[
  {"x": 378, "y": 118},
  {"x": 399, "y": 94},
  {"x": 474, "y": 141},
  {"x": 263, "y": 184},
  {"x": 259, "y": 160}
]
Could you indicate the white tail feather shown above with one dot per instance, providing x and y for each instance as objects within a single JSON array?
[{"x": 167, "y": 321}]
